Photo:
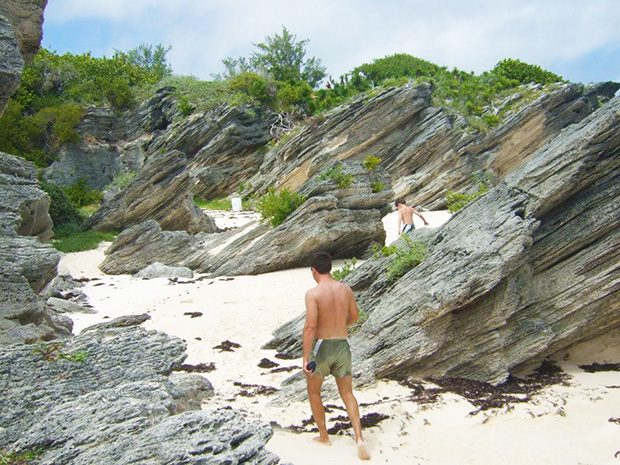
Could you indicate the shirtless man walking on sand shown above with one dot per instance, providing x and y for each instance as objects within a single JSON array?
[
  {"x": 330, "y": 310},
  {"x": 405, "y": 216}
]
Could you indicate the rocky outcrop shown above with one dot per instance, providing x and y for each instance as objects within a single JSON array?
[
  {"x": 426, "y": 149},
  {"x": 20, "y": 35},
  {"x": 26, "y": 264},
  {"x": 528, "y": 269},
  {"x": 107, "y": 396},
  {"x": 162, "y": 192},
  {"x": 344, "y": 221}
]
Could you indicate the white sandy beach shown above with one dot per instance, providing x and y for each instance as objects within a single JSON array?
[{"x": 564, "y": 424}]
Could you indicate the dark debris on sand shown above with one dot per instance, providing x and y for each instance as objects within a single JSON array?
[
  {"x": 252, "y": 390},
  {"x": 193, "y": 314},
  {"x": 227, "y": 346},
  {"x": 486, "y": 396},
  {"x": 200, "y": 368},
  {"x": 266, "y": 363},
  {"x": 342, "y": 422},
  {"x": 281, "y": 369},
  {"x": 283, "y": 356},
  {"x": 596, "y": 367}
]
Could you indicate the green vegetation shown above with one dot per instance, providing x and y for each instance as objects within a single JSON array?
[
  {"x": 405, "y": 258},
  {"x": 371, "y": 162},
  {"x": 123, "y": 179},
  {"x": 345, "y": 271},
  {"x": 28, "y": 457},
  {"x": 275, "y": 208},
  {"x": 220, "y": 203},
  {"x": 336, "y": 174},
  {"x": 524, "y": 73},
  {"x": 80, "y": 195},
  {"x": 54, "y": 351},
  {"x": 377, "y": 185},
  {"x": 386, "y": 250},
  {"x": 70, "y": 237},
  {"x": 456, "y": 201}
]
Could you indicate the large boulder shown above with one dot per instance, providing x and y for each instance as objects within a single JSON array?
[
  {"x": 528, "y": 269},
  {"x": 26, "y": 264},
  {"x": 107, "y": 396},
  {"x": 162, "y": 192}
]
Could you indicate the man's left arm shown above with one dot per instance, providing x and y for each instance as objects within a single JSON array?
[{"x": 423, "y": 219}]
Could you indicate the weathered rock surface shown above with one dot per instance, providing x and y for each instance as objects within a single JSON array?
[
  {"x": 346, "y": 222},
  {"x": 161, "y": 192},
  {"x": 20, "y": 35},
  {"x": 159, "y": 270},
  {"x": 106, "y": 397},
  {"x": 26, "y": 264},
  {"x": 528, "y": 269}
]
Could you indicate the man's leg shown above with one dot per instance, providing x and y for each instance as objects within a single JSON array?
[
  {"x": 316, "y": 404},
  {"x": 345, "y": 389}
]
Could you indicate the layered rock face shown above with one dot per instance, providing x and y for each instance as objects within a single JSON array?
[
  {"x": 161, "y": 192},
  {"x": 108, "y": 396},
  {"x": 20, "y": 35},
  {"x": 343, "y": 221},
  {"x": 427, "y": 150},
  {"x": 26, "y": 264},
  {"x": 528, "y": 269}
]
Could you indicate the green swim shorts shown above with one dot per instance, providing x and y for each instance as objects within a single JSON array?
[{"x": 332, "y": 356}]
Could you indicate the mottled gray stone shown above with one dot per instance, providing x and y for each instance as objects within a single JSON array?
[{"x": 159, "y": 270}]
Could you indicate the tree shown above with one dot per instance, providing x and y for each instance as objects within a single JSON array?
[
  {"x": 283, "y": 57},
  {"x": 152, "y": 60}
]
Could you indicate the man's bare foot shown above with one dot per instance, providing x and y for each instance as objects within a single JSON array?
[
  {"x": 322, "y": 440},
  {"x": 362, "y": 451}
]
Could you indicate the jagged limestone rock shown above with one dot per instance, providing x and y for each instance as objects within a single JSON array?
[
  {"x": 106, "y": 396},
  {"x": 162, "y": 192},
  {"x": 528, "y": 269}
]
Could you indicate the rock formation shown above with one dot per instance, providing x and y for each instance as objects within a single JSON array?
[
  {"x": 343, "y": 221},
  {"x": 526, "y": 270},
  {"x": 109, "y": 396},
  {"x": 425, "y": 149},
  {"x": 26, "y": 264},
  {"x": 162, "y": 192},
  {"x": 20, "y": 35}
]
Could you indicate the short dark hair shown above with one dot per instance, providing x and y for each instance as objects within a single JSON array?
[
  {"x": 321, "y": 262},
  {"x": 399, "y": 200}
]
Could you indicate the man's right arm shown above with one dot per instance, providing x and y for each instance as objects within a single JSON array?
[{"x": 312, "y": 316}]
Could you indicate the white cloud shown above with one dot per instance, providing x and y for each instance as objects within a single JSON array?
[{"x": 472, "y": 35}]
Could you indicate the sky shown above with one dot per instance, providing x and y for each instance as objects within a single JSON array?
[{"x": 576, "y": 39}]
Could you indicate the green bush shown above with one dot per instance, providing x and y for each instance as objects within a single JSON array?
[
  {"x": 376, "y": 185},
  {"x": 61, "y": 210},
  {"x": 275, "y": 208},
  {"x": 405, "y": 258},
  {"x": 371, "y": 162},
  {"x": 336, "y": 174},
  {"x": 27, "y": 457},
  {"x": 184, "y": 106},
  {"x": 346, "y": 270},
  {"x": 81, "y": 195},
  {"x": 221, "y": 203},
  {"x": 386, "y": 250},
  {"x": 524, "y": 73}
]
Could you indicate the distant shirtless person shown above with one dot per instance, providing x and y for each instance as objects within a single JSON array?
[
  {"x": 330, "y": 310},
  {"x": 405, "y": 216}
]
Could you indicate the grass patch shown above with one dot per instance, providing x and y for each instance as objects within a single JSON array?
[
  {"x": 26, "y": 457},
  {"x": 222, "y": 203},
  {"x": 71, "y": 238},
  {"x": 456, "y": 201}
]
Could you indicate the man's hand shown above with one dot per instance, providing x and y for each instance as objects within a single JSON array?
[{"x": 425, "y": 223}]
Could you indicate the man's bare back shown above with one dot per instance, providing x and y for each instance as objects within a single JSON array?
[{"x": 336, "y": 309}]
